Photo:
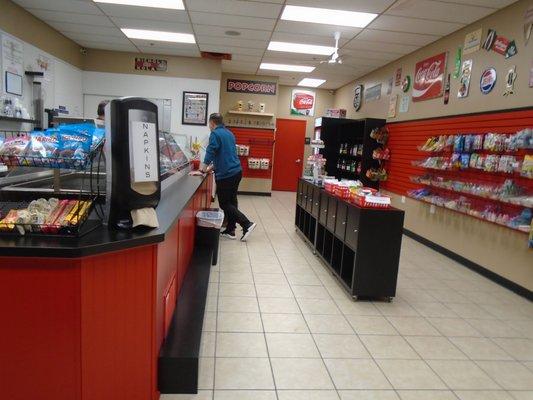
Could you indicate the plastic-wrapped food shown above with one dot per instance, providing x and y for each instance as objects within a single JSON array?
[
  {"x": 44, "y": 144},
  {"x": 458, "y": 143},
  {"x": 15, "y": 146},
  {"x": 75, "y": 145},
  {"x": 465, "y": 161},
  {"x": 8, "y": 222}
]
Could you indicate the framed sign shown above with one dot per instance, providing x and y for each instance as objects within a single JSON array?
[
  {"x": 194, "y": 108},
  {"x": 13, "y": 83},
  {"x": 358, "y": 97},
  {"x": 303, "y": 102},
  {"x": 428, "y": 82},
  {"x": 373, "y": 92}
]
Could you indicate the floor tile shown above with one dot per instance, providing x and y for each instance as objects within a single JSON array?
[
  {"x": 236, "y": 290},
  {"x": 291, "y": 345},
  {"x": 396, "y": 308},
  {"x": 493, "y": 328},
  {"x": 284, "y": 323},
  {"x": 333, "y": 324},
  {"x": 300, "y": 373},
  {"x": 273, "y": 305},
  {"x": 388, "y": 347},
  {"x": 210, "y": 322},
  {"x": 510, "y": 375},
  {"x": 435, "y": 310},
  {"x": 243, "y": 373},
  {"x": 238, "y": 304},
  {"x": 340, "y": 346},
  {"x": 241, "y": 345},
  {"x": 520, "y": 349},
  {"x": 454, "y": 327},
  {"x": 426, "y": 395},
  {"x": 435, "y": 348},
  {"x": 413, "y": 326},
  {"x": 480, "y": 348},
  {"x": 271, "y": 268},
  {"x": 310, "y": 292},
  {"x": 206, "y": 372},
  {"x": 370, "y": 325},
  {"x": 461, "y": 375},
  {"x": 524, "y": 395},
  {"x": 318, "y": 306},
  {"x": 207, "y": 344},
  {"x": 236, "y": 277},
  {"x": 410, "y": 374},
  {"x": 245, "y": 395},
  {"x": 307, "y": 395},
  {"x": 469, "y": 311},
  {"x": 303, "y": 279},
  {"x": 239, "y": 322},
  {"x": 356, "y": 374},
  {"x": 211, "y": 304},
  {"x": 201, "y": 395},
  {"x": 368, "y": 395},
  {"x": 351, "y": 307},
  {"x": 273, "y": 290},
  {"x": 483, "y": 395},
  {"x": 270, "y": 279}
]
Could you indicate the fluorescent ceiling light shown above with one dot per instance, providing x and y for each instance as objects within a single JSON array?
[
  {"x": 286, "y": 67},
  {"x": 301, "y": 48},
  {"x": 170, "y": 4},
  {"x": 311, "y": 82},
  {"x": 159, "y": 36},
  {"x": 327, "y": 16}
]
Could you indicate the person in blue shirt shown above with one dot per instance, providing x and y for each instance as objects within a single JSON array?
[{"x": 221, "y": 155}]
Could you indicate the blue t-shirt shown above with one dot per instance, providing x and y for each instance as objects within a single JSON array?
[{"x": 222, "y": 152}]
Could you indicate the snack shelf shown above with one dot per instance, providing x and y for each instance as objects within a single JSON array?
[
  {"x": 45, "y": 162},
  {"x": 526, "y": 232},
  {"x": 461, "y": 170},
  {"x": 251, "y": 113}
]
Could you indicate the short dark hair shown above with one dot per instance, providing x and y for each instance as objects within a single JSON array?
[
  {"x": 216, "y": 118},
  {"x": 101, "y": 108}
]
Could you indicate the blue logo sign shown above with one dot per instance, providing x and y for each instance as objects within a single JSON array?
[{"x": 487, "y": 81}]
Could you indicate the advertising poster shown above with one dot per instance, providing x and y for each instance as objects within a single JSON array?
[
  {"x": 303, "y": 102},
  {"x": 194, "y": 110},
  {"x": 457, "y": 64},
  {"x": 389, "y": 85},
  {"x": 428, "y": 82},
  {"x": 531, "y": 75},
  {"x": 472, "y": 42},
  {"x": 392, "y": 106},
  {"x": 528, "y": 24},
  {"x": 404, "y": 104},
  {"x": 398, "y": 77},
  {"x": 464, "y": 84},
  {"x": 373, "y": 93},
  {"x": 500, "y": 45}
]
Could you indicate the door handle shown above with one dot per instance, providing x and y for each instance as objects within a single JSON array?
[{"x": 298, "y": 161}]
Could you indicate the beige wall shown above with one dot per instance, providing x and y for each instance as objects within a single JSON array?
[
  {"x": 507, "y": 22},
  {"x": 20, "y": 23},
  {"x": 496, "y": 248}
]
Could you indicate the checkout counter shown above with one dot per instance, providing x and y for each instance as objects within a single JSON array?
[{"x": 84, "y": 317}]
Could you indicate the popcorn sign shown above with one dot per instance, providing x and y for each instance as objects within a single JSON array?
[
  {"x": 303, "y": 102},
  {"x": 429, "y": 78}
]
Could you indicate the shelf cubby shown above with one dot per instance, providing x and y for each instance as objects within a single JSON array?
[
  {"x": 336, "y": 256},
  {"x": 348, "y": 260}
]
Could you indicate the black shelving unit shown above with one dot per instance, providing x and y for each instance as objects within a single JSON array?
[
  {"x": 361, "y": 246},
  {"x": 336, "y": 131}
]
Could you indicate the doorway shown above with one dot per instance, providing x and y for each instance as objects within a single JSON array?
[{"x": 288, "y": 154}]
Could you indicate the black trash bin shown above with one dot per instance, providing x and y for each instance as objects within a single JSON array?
[{"x": 208, "y": 224}]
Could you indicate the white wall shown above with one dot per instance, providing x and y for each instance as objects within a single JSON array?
[{"x": 157, "y": 87}]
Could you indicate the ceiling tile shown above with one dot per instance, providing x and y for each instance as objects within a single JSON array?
[
  {"x": 170, "y": 52},
  {"x": 371, "y": 6},
  {"x": 230, "y": 49},
  {"x": 362, "y": 61},
  {"x": 208, "y": 30},
  {"x": 400, "y": 49},
  {"x": 73, "y": 6},
  {"x": 164, "y": 45},
  {"x": 484, "y": 3},
  {"x": 238, "y": 66},
  {"x": 237, "y": 42},
  {"x": 77, "y": 37},
  {"x": 413, "y": 39},
  {"x": 372, "y": 55},
  {"x": 438, "y": 11},
  {"x": 304, "y": 28},
  {"x": 157, "y": 14},
  {"x": 414, "y": 25},
  {"x": 335, "y": 69},
  {"x": 232, "y": 21},
  {"x": 86, "y": 29},
  {"x": 295, "y": 57},
  {"x": 108, "y": 46},
  {"x": 236, "y": 7},
  {"x": 308, "y": 39},
  {"x": 75, "y": 18},
  {"x": 152, "y": 25},
  {"x": 246, "y": 58}
]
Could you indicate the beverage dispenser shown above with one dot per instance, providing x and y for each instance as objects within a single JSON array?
[{"x": 133, "y": 188}]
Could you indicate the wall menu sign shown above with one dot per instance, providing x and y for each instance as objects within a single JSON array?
[
  {"x": 144, "y": 152},
  {"x": 150, "y": 64},
  {"x": 428, "y": 82},
  {"x": 254, "y": 87}
]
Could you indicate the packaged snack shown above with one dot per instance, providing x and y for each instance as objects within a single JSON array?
[
  {"x": 507, "y": 164},
  {"x": 527, "y": 166},
  {"x": 491, "y": 163},
  {"x": 478, "y": 142},
  {"x": 456, "y": 161},
  {"x": 480, "y": 162},
  {"x": 13, "y": 148},
  {"x": 473, "y": 160},
  {"x": 465, "y": 161},
  {"x": 75, "y": 145},
  {"x": 468, "y": 143},
  {"x": 458, "y": 143},
  {"x": 44, "y": 144}
]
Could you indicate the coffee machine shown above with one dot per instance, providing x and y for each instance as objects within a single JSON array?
[{"x": 132, "y": 159}]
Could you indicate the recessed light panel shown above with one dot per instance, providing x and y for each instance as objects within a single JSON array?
[
  {"x": 159, "y": 36},
  {"x": 301, "y": 48},
  {"x": 327, "y": 16},
  {"x": 311, "y": 82},
  {"x": 170, "y": 4},
  {"x": 286, "y": 67}
]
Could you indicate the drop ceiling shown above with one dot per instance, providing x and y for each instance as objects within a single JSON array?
[{"x": 401, "y": 27}]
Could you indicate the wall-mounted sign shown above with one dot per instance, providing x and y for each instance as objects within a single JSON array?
[
  {"x": 150, "y": 64},
  {"x": 254, "y": 87},
  {"x": 487, "y": 81},
  {"x": 531, "y": 75},
  {"x": 398, "y": 77},
  {"x": 303, "y": 102},
  {"x": 358, "y": 97},
  {"x": 406, "y": 83},
  {"x": 447, "y": 89},
  {"x": 392, "y": 106},
  {"x": 194, "y": 108},
  {"x": 457, "y": 65},
  {"x": 472, "y": 42},
  {"x": 390, "y": 83},
  {"x": 489, "y": 40},
  {"x": 428, "y": 82},
  {"x": 511, "y": 49},
  {"x": 145, "y": 155},
  {"x": 510, "y": 80},
  {"x": 464, "y": 84},
  {"x": 404, "y": 104},
  {"x": 373, "y": 93},
  {"x": 528, "y": 24},
  {"x": 500, "y": 45}
]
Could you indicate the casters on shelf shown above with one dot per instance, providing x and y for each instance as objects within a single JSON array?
[{"x": 388, "y": 299}]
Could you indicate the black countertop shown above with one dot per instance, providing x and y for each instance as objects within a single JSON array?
[{"x": 103, "y": 240}]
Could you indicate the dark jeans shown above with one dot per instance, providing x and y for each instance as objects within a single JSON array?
[{"x": 227, "y": 199}]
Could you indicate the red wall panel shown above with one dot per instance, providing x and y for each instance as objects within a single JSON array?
[{"x": 261, "y": 142}]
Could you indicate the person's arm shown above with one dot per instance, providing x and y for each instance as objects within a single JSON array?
[{"x": 211, "y": 151}]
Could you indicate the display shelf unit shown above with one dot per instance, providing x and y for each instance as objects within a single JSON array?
[
  {"x": 338, "y": 131},
  {"x": 360, "y": 246},
  {"x": 251, "y": 113}
]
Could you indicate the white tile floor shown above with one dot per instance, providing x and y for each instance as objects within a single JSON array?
[{"x": 279, "y": 327}]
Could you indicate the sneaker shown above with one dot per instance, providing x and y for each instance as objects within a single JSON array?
[
  {"x": 247, "y": 231},
  {"x": 228, "y": 234}
]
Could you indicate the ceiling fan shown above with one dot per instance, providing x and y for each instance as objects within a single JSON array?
[{"x": 335, "y": 58}]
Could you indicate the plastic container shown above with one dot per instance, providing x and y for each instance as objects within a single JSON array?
[{"x": 210, "y": 219}]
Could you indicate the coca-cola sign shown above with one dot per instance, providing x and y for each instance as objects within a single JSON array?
[
  {"x": 428, "y": 82},
  {"x": 303, "y": 102},
  {"x": 150, "y": 64}
]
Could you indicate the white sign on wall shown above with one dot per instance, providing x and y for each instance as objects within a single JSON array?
[{"x": 144, "y": 144}]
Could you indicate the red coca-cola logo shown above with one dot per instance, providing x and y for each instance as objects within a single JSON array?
[
  {"x": 303, "y": 101},
  {"x": 425, "y": 76},
  {"x": 429, "y": 78}
]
